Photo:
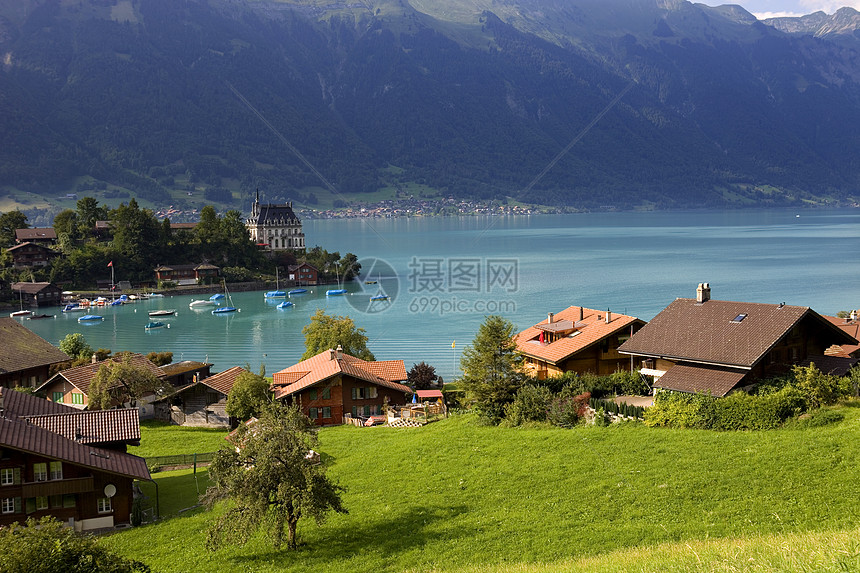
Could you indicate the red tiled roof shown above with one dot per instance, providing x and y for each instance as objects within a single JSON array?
[
  {"x": 592, "y": 329},
  {"x": 429, "y": 393},
  {"x": 687, "y": 378},
  {"x": 223, "y": 381},
  {"x": 21, "y": 436},
  {"x": 92, "y": 427},
  {"x": 852, "y": 327},
  {"x": 82, "y": 376},
  {"x": 687, "y": 330},
  {"x": 325, "y": 365},
  {"x": 23, "y": 349}
]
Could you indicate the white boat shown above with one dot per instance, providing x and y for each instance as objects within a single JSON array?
[
  {"x": 167, "y": 312},
  {"x": 229, "y": 307},
  {"x": 155, "y": 295},
  {"x": 20, "y": 313},
  {"x": 201, "y": 303}
]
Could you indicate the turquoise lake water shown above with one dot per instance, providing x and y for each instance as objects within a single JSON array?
[{"x": 443, "y": 275}]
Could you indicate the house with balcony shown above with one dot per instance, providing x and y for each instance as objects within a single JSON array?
[
  {"x": 303, "y": 274},
  {"x": 576, "y": 339},
  {"x": 46, "y": 236},
  {"x": 27, "y": 358},
  {"x": 333, "y": 384},
  {"x": 31, "y": 255},
  {"x": 44, "y": 472},
  {"x": 716, "y": 347},
  {"x": 193, "y": 274}
]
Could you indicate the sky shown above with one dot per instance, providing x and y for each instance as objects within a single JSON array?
[{"x": 773, "y": 8}]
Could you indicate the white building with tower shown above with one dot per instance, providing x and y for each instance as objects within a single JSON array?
[{"x": 275, "y": 226}]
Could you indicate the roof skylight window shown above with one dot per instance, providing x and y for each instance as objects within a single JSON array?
[{"x": 739, "y": 318}]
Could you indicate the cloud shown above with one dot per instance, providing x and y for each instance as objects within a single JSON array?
[
  {"x": 766, "y": 15},
  {"x": 829, "y": 6}
]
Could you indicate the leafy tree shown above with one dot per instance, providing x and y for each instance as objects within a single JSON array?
[
  {"x": 9, "y": 221},
  {"x": 88, "y": 212},
  {"x": 47, "y": 546},
  {"x": 65, "y": 222},
  {"x": 491, "y": 369},
  {"x": 328, "y": 332},
  {"x": 76, "y": 346},
  {"x": 818, "y": 388},
  {"x": 135, "y": 238},
  {"x": 422, "y": 376},
  {"x": 270, "y": 479},
  {"x": 531, "y": 404},
  {"x": 121, "y": 382},
  {"x": 250, "y": 393}
]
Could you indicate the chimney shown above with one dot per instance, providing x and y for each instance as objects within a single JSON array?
[
  {"x": 581, "y": 313},
  {"x": 703, "y": 293},
  {"x": 608, "y": 316},
  {"x": 94, "y": 359},
  {"x": 339, "y": 352},
  {"x": 853, "y": 315},
  {"x": 549, "y": 318}
]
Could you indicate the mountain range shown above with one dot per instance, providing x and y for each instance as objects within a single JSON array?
[{"x": 582, "y": 103}]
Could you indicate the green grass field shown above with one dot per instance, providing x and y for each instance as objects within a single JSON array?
[{"x": 458, "y": 496}]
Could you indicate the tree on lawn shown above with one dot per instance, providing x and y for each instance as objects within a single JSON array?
[
  {"x": 491, "y": 369},
  {"x": 327, "y": 332},
  {"x": 249, "y": 395},
  {"x": 270, "y": 480},
  {"x": 121, "y": 382},
  {"x": 422, "y": 376}
]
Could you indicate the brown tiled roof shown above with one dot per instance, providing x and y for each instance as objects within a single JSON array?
[
  {"x": 852, "y": 327},
  {"x": 32, "y": 288},
  {"x": 223, "y": 381},
  {"x": 592, "y": 329},
  {"x": 325, "y": 365},
  {"x": 176, "y": 368},
  {"x": 22, "y": 246},
  {"x": 92, "y": 427},
  {"x": 20, "y": 404},
  {"x": 22, "y": 436},
  {"x": 836, "y": 365},
  {"x": 707, "y": 333},
  {"x": 82, "y": 376},
  {"x": 35, "y": 233},
  {"x": 688, "y": 378},
  {"x": 23, "y": 349}
]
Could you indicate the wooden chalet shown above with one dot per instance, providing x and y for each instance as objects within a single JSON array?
[
  {"x": 578, "y": 340},
  {"x": 31, "y": 255},
  {"x": 72, "y": 386},
  {"x": 193, "y": 274},
  {"x": 44, "y": 471},
  {"x": 46, "y": 236},
  {"x": 26, "y": 358},
  {"x": 203, "y": 402},
  {"x": 332, "y": 383},
  {"x": 713, "y": 346},
  {"x": 186, "y": 372},
  {"x": 303, "y": 274},
  {"x": 38, "y": 294}
]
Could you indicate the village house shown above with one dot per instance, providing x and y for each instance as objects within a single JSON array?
[
  {"x": 577, "y": 340},
  {"x": 46, "y": 472},
  {"x": 851, "y": 325},
  {"x": 38, "y": 294},
  {"x": 45, "y": 236},
  {"x": 27, "y": 358},
  {"x": 186, "y": 372},
  {"x": 333, "y": 384},
  {"x": 72, "y": 386},
  {"x": 303, "y": 274},
  {"x": 275, "y": 226},
  {"x": 713, "y": 346},
  {"x": 203, "y": 402},
  {"x": 193, "y": 274},
  {"x": 31, "y": 255}
]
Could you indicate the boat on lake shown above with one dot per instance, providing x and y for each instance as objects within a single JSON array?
[
  {"x": 38, "y": 316},
  {"x": 73, "y": 307},
  {"x": 201, "y": 303},
  {"x": 226, "y": 309},
  {"x": 276, "y": 294},
  {"x": 285, "y": 304},
  {"x": 380, "y": 297},
  {"x": 155, "y": 295},
  {"x": 90, "y": 318},
  {"x": 335, "y": 291},
  {"x": 166, "y": 312},
  {"x": 298, "y": 291},
  {"x": 216, "y": 296},
  {"x": 153, "y": 324},
  {"x": 20, "y": 313}
]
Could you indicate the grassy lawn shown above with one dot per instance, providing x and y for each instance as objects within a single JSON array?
[
  {"x": 458, "y": 496},
  {"x": 162, "y": 439}
]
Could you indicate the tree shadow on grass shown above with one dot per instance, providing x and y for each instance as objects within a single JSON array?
[{"x": 389, "y": 534}]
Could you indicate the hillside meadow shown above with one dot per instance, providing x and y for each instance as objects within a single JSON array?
[{"x": 457, "y": 496}]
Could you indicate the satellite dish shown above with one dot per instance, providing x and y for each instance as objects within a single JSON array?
[{"x": 110, "y": 490}]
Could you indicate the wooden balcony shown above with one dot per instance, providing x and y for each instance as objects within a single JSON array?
[{"x": 57, "y": 487}]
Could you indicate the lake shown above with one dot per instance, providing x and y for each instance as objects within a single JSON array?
[{"x": 443, "y": 275}]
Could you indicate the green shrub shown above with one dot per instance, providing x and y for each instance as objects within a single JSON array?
[
  {"x": 567, "y": 408},
  {"x": 530, "y": 405},
  {"x": 629, "y": 383}
]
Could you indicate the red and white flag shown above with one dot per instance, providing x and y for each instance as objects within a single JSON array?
[{"x": 110, "y": 264}]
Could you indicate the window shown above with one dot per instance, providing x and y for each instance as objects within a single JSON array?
[
  {"x": 56, "y": 470},
  {"x": 41, "y": 502},
  {"x": 7, "y": 476},
  {"x": 313, "y": 413},
  {"x": 739, "y": 318},
  {"x": 10, "y": 505},
  {"x": 104, "y": 505},
  {"x": 40, "y": 472},
  {"x": 364, "y": 393},
  {"x": 69, "y": 500},
  {"x": 326, "y": 394},
  {"x": 312, "y": 393},
  {"x": 326, "y": 414},
  {"x": 77, "y": 398},
  {"x": 56, "y": 501},
  {"x": 57, "y": 397}
]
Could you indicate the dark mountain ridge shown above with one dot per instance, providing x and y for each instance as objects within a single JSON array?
[{"x": 445, "y": 94}]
